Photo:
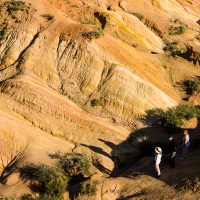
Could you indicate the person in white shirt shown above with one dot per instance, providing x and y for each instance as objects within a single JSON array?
[
  {"x": 186, "y": 143},
  {"x": 157, "y": 161}
]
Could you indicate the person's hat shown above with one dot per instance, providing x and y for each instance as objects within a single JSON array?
[{"x": 158, "y": 150}]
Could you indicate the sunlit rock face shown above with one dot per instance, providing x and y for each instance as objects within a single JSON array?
[{"x": 84, "y": 70}]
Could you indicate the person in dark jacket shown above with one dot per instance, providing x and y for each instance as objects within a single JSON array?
[{"x": 172, "y": 148}]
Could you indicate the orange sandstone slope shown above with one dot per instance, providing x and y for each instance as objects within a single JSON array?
[
  {"x": 84, "y": 70},
  {"x": 72, "y": 68}
]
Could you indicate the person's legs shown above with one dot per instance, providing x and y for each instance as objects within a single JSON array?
[
  {"x": 183, "y": 154},
  {"x": 186, "y": 152},
  {"x": 157, "y": 169},
  {"x": 173, "y": 162}
]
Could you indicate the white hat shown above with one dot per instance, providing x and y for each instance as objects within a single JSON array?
[{"x": 158, "y": 150}]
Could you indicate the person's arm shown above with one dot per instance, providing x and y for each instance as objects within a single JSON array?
[{"x": 175, "y": 146}]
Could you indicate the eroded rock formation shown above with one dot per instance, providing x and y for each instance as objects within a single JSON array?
[{"x": 86, "y": 70}]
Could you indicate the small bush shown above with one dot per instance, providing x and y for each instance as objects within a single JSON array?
[
  {"x": 156, "y": 112},
  {"x": 192, "y": 85},
  {"x": 97, "y": 102},
  {"x": 49, "y": 197},
  {"x": 177, "y": 30},
  {"x": 88, "y": 187},
  {"x": 74, "y": 164},
  {"x": 57, "y": 186},
  {"x": 92, "y": 34},
  {"x": 92, "y": 20},
  {"x": 176, "y": 116},
  {"x": 174, "y": 48},
  {"x": 51, "y": 180},
  {"x": 48, "y": 16}
]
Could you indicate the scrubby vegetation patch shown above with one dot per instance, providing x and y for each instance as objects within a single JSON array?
[
  {"x": 51, "y": 182},
  {"x": 48, "y": 16},
  {"x": 192, "y": 85},
  {"x": 97, "y": 102},
  {"x": 177, "y": 30},
  {"x": 88, "y": 187},
  {"x": 176, "y": 116},
  {"x": 174, "y": 47},
  {"x": 92, "y": 34}
]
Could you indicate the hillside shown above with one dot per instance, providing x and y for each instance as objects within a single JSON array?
[{"x": 78, "y": 76}]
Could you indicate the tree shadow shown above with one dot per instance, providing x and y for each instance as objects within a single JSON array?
[
  {"x": 108, "y": 143},
  {"x": 112, "y": 157},
  {"x": 136, "y": 195},
  {"x": 97, "y": 163},
  {"x": 7, "y": 171},
  {"x": 11, "y": 167},
  {"x": 27, "y": 174},
  {"x": 27, "y": 197},
  {"x": 97, "y": 150}
]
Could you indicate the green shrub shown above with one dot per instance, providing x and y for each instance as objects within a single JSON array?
[
  {"x": 156, "y": 112},
  {"x": 14, "y": 5},
  {"x": 88, "y": 187},
  {"x": 48, "y": 16},
  {"x": 97, "y": 102},
  {"x": 51, "y": 180},
  {"x": 176, "y": 116},
  {"x": 177, "y": 30},
  {"x": 192, "y": 85},
  {"x": 49, "y": 197},
  {"x": 74, "y": 164},
  {"x": 57, "y": 186},
  {"x": 174, "y": 48},
  {"x": 92, "y": 20}
]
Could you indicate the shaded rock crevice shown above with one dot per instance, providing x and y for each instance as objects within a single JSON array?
[
  {"x": 191, "y": 56},
  {"x": 101, "y": 18}
]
